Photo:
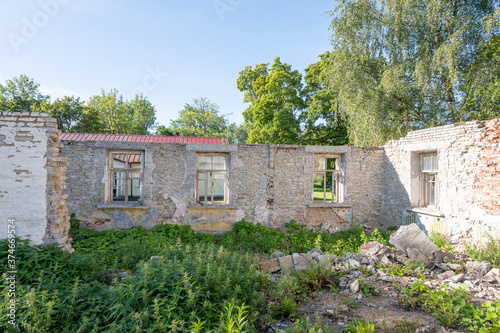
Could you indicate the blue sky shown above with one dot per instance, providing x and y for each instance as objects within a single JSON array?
[{"x": 172, "y": 51}]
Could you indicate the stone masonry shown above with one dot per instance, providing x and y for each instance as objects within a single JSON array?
[
  {"x": 32, "y": 179},
  {"x": 468, "y": 179},
  {"x": 268, "y": 184}
]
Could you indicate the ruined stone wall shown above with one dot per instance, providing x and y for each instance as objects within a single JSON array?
[
  {"x": 466, "y": 161},
  {"x": 487, "y": 182},
  {"x": 32, "y": 178},
  {"x": 268, "y": 184}
]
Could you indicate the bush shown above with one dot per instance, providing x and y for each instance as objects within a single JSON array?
[{"x": 187, "y": 285}]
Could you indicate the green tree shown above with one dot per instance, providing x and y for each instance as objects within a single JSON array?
[
  {"x": 237, "y": 133},
  {"x": 120, "y": 116},
  {"x": 324, "y": 122},
  {"x": 482, "y": 83},
  {"x": 201, "y": 118},
  {"x": 397, "y": 65},
  {"x": 21, "y": 94},
  {"x": 276, "y": 103},
  {"x": 67, "y": 111},
  {"x": 163, "y": 130}
]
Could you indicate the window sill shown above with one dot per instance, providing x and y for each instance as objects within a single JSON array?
[
  {"x": 122, "y": 206},
  {"x": 329, "y": 204},
  {"x": 426, "y": 211},
  {"x": 222, "y": 206}
]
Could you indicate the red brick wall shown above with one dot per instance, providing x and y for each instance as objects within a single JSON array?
[{"x": 487, "y": 183}]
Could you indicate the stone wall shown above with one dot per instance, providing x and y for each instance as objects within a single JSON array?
[
  {"x": 32, "y": 178},
  {"x": 468, "y": 178},
  {"x": 268, "y": 184}
]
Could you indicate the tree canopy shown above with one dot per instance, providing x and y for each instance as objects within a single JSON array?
[
  {"x": 201, "y": 118},
  {"x": 275, "y": 97},
  {"x": 21, "y": 94},
  {"x": 121, "y": 116},
  {"x": 398, "y": 65}
]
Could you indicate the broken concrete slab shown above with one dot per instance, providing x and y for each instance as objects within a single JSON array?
[
  {"x": 286, "y": 264},
  {"x": 302, "y": 261},
  {"x": 477, "y": 268},
  {"x": 327, "y": 260},
  {"x": 457, "y": 278},
  {"x": 272, "y": 265},
  {"x": 373, "y": 248},
  {"x": 416, "y": 244},
  {"x": 354, "y": 286}
]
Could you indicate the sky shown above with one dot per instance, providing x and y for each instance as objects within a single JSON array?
[{"x": 171, "y": 51}]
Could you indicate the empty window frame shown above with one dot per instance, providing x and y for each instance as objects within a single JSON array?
[
  {"x": 428, "y": 176},
  {"x": 326, "y": 178},
  {"x": 212, "y": 179},
  {"x": 125, "y": 172}
]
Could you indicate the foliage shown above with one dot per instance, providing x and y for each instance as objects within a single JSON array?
[
  {"x": 441, "y": 241},
  {"x": 120, "y": 116},
  {"x": 188, "y": 284},
  {"x": 72, "y": 115},
  {"x": 482, "y": 82},
  {"x": 361, "y": 326},
  {"x": 324, "y": 122},
  {"x": 163, "y": 130},
  {"x": 21, "y": 94},
  {"x": 489, "y": 251},
  {"x": 406, "y": 326},
  {"x": 397, "y": 66},
  {"x": 305, "y": 326},
  {"x": 275, "y": 97},
  {"x": 201, "y": 118}
]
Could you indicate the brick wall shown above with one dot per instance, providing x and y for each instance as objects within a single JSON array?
[
  {"x": 468, "y": 179},
  {"x": 487, "y": 182},
  {"x": 32, "y": 178}
]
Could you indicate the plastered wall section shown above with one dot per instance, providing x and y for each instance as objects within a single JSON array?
[
  {"x": 32, "y": 179},
  {"x": 467, "y": 186},
  {"x": 268, "y": 184}
]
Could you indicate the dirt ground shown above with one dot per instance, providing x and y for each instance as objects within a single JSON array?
[{"x": 384, "y": 310}]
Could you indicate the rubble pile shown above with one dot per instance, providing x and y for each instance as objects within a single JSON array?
[{"x": 437, "y": 268}]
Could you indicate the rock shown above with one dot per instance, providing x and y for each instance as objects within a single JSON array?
[
  {"x": 492, "y": 275},
  {"x": 327, "y": 260},
  {"x": 302, "y": 261},
  {"x": 385, "y": 261},
  {"x": 457, "y": 278},
  {"x": 454, "y": 267},
  {"x": 370, "y": 249},
  {"x": 416, "y": 245},
  {"x": 277, "y": 254},
  {"x": 446, "y": 275},
  {"x": 402, "y": 259},
  {"x": 286, "y": 264},
  {"x": 272, "y": 265},
  {"x": 315, "y": 250},
  {"x": 477, "y": 268},
  {"x": 350, "y": 265},
  {"x": 344, "y": 292}
]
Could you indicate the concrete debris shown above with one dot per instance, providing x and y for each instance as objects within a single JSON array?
[
  {"x": 477, "y": 269},
  {"x": 277, "y": 254},
  {"x": 354, "y": 286},
  {"x": 478, "y": 277},
  {"x": 417, "y": 246}
]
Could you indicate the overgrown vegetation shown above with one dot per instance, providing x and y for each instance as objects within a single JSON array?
[{"x": 199, "y": 283}]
